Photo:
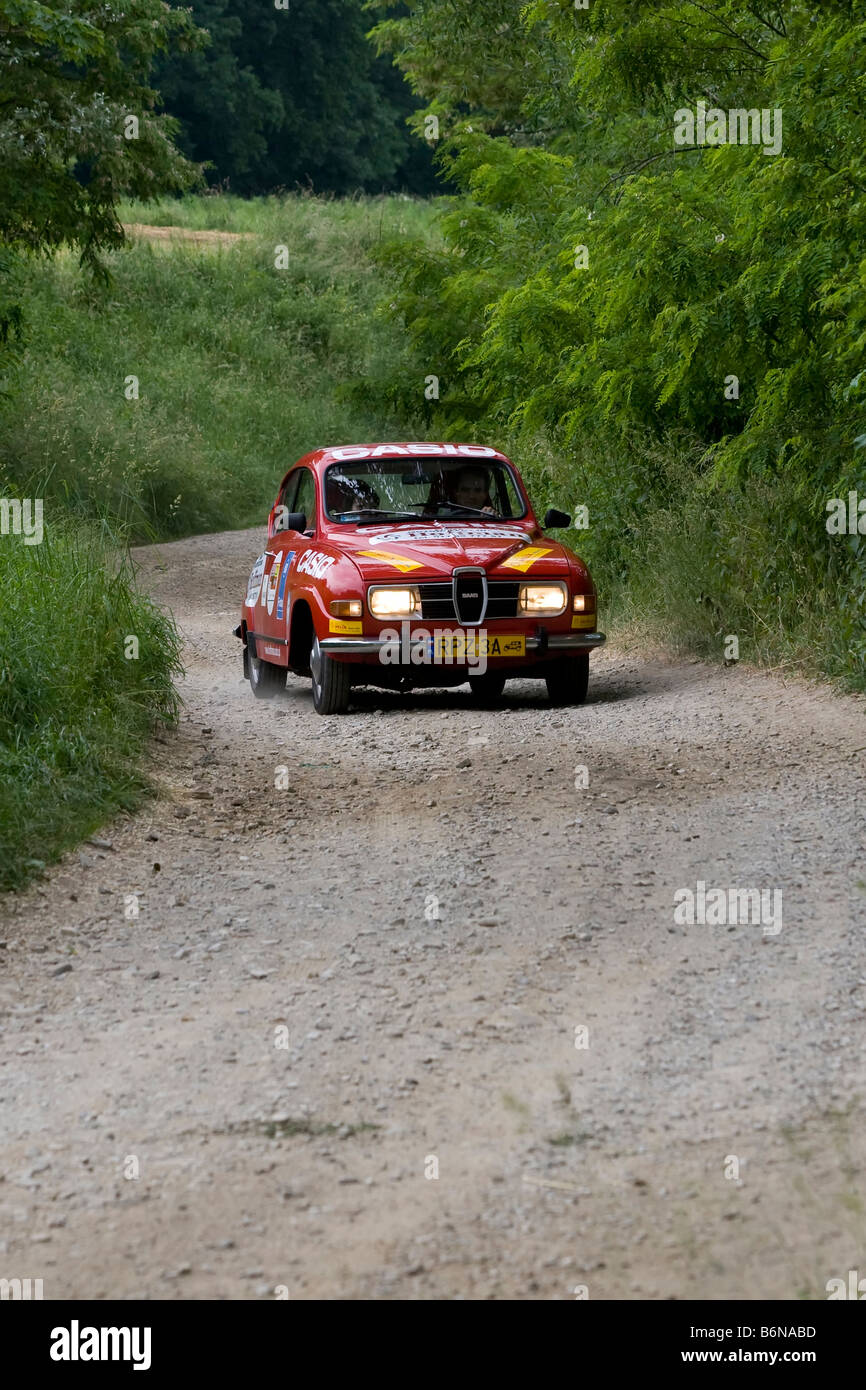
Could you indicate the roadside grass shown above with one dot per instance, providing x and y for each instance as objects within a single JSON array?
[
  {"x": 240, "y": 367},
  {"x": 685, "y": 563},
  {"x": 75, "y": 713}
]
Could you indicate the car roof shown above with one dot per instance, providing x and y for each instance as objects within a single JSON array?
[{"x": 318, "y": 459}]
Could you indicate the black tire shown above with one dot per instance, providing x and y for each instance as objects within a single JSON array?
[
  {"x": 332, "y": 681},
  {"x": 567, "y": 680},
  {"x": 266, "y": 680},
  {"x": 487, "y": 689}
]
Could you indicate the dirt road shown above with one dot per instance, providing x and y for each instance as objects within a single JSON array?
[{"x": 436, "y": 951}]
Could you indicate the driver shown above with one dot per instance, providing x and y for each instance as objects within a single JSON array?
[
  {"x": 471, "y": 488},
  {"x": 465, "y": 487}
]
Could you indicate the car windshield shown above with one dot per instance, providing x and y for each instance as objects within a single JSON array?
[{"x": 400, "y": 489}]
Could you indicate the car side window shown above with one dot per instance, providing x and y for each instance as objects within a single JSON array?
[
  {"x": 287, "y": 496},
  {"x": 283, "y": 504},
  {"x": 305, "y": 501}
]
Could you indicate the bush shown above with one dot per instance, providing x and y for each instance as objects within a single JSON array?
[{"x": 75, "y": 713}]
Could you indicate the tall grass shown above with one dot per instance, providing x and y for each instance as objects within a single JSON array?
[
  {"x": 241, "y": 367},
  {"x": 76, "y": 706}
]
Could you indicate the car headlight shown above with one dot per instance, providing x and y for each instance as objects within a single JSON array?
[
  {"x": 543, "y": 600},
  {"x": 394, "y": 603}
]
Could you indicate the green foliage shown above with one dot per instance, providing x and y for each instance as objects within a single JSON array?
[
  {"x": 463, "y": 57},
  {"x": 75, "y": 714},
  {"x": 294, "y": 96},
  {"x": 71, "y": 75},
  {"x": 703, "y": 263},
  {"x": 240, "y": 365}
]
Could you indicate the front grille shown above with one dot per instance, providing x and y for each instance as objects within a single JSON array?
[
  {"x": 470, "y": 596},
  {"x": 437, "y": 600}
]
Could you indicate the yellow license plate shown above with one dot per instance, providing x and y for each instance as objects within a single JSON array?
[{"x": 457, "y": 646}]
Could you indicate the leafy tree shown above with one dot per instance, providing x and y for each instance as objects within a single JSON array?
[
  {"x": 698, "y": 259},
  {"x": 78, "y": 128},
  {"x": 227, "y": 115},
  {"x": 72, "y": 75},
  {"x": 294, "y": 96}
]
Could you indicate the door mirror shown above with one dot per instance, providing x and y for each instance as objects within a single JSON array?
[
  {"x": 554, "y": 519},
  {"x": 281, "y": 519}
]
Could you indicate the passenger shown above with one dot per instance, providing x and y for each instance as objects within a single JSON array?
[
  {"x": 339, "y": 499},
  {"x": 350, "y": 495},
  {"x": 364, "y": 497}
]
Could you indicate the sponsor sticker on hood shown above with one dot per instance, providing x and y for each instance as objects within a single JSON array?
[
  {"x": 449, "y": 533},
  {"x": 399, "y": 562},
  {"x": 525, "y": 559}
]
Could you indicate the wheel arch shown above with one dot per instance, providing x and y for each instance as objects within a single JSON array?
[{"x": 301, "y": 632}]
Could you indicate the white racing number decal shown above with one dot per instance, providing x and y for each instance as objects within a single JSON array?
[
  {"x": 254, "y": 583},
  {"x": 314, "y": 563}
]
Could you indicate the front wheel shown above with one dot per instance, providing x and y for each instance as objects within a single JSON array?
[
  {"x": 266, "y": 680},
  {"x": 567, "y": 680},
  {"x": 332, "y": 681}
]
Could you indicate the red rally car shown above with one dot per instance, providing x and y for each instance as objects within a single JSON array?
[{"x": 402, "y": 565}]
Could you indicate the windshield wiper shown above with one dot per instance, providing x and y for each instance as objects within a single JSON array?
[
  {"x": 474, "y": 511},
  {"x": 370, "y": 515}
]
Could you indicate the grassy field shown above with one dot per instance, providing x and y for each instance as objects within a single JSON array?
[{"x": 240, "y": 366}]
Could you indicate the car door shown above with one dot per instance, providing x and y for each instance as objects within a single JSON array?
[{"x": 284, "y": 547}]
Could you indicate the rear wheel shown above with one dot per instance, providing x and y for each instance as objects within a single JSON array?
[
  {"x": 332, "y": 681},
  {"x": 567, "y": 680},
  {"x": 266, "y": 680},
  {"x": 487, "y": 689}
]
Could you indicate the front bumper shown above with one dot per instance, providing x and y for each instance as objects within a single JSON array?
[{"x": 559, "y": 642}]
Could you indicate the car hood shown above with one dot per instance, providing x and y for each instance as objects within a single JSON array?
[{"x": 429, "y": 550}]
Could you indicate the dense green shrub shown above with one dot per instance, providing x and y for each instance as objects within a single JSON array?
[{"x": 75, "y": 710}]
